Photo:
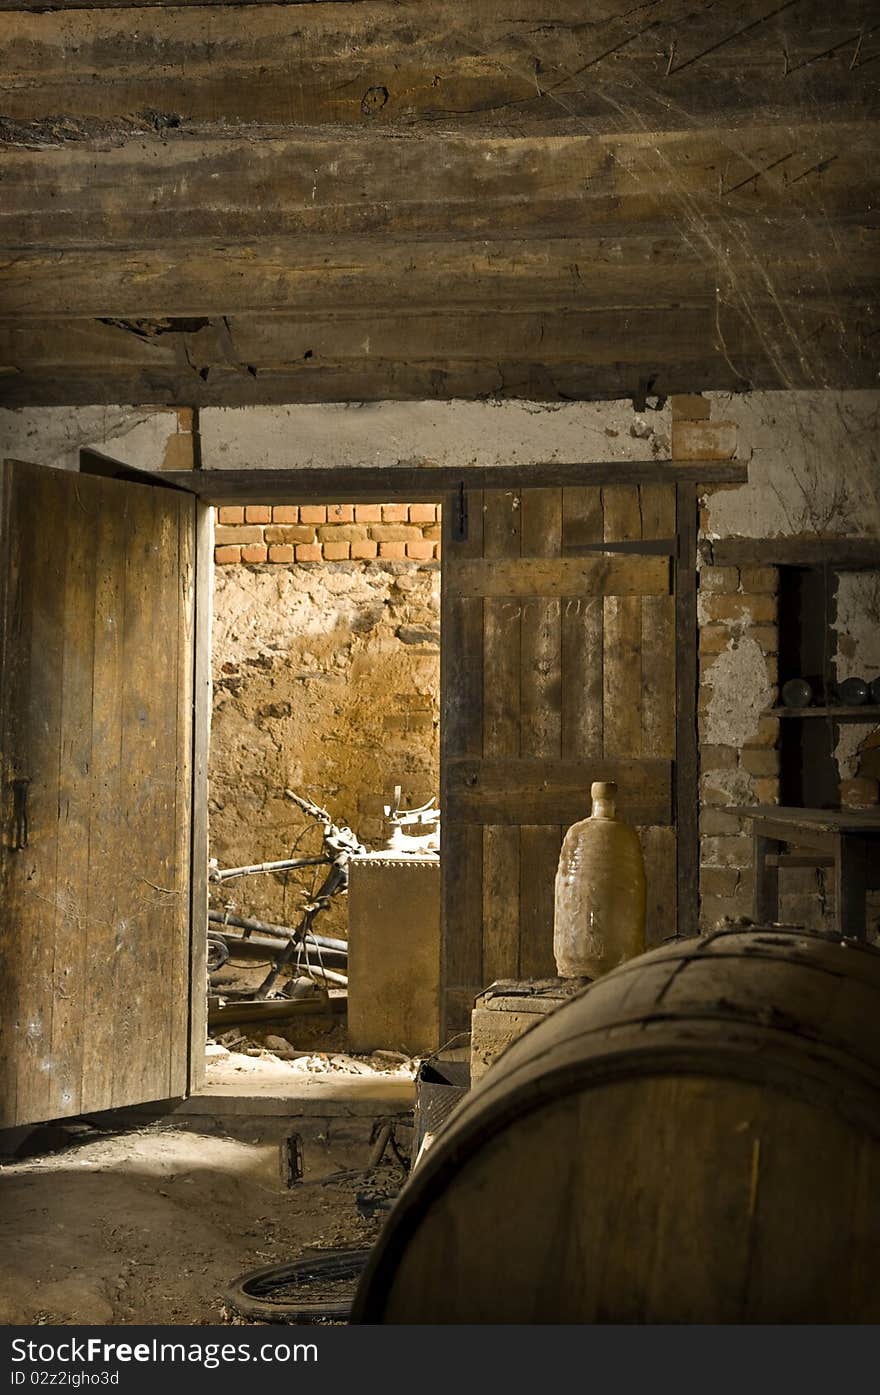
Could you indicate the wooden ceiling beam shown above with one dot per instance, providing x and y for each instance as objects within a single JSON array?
[
  {"x": 721, "y": 183},
  {"x": 565, "y": 356},
  {"x": 315, "y": 277},
  {"x": 513, "y": 65}
]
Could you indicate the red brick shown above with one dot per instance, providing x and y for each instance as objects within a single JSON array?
[
  {"x": 745, "y": 609},
  {"x": 434, "y": 533},
  {"x": 285, "y": 513},
  {"x": 394, "y": 513},
  {"x": 767, "y": 791},
  {"x": 343, "y": 532},
  {"x": 718, "y": 881},
  {"x": 689, "y": 407},
  {"x": 238, "y": 535},
  {"x": 312, "y": 513},
  {"x": 230, "y": 515},
  {"x": 437, "y": 549},
  {"x": 254, "y": 552},
  {"x": 337, "y": 551},
  {"x": 368, "y": 513},
  {"x": 364, "y": 551},
  {"x": 290, "y": 533},
  {"x": 719, "y": 579},
  {"x": 308, "y": 552},
  {"x": 340, "y": 513},
  {"x": 224, "y": 555},
  {"x": 762, "y": 579},
  {"x": 258, "y": 513},
  {"x": 703, "y": 440},
  {"x": 767, "y": 733},
  {"x": 714, "y": 639},
  {"x": 393, "y": 551},
  {"x": 420, "y": 551},
  {"x": 762, "y": 761},
  {"x": 281, "y": 552},
  {"x": 395, "y": 532},
  {"x": 422, "y": 513}
]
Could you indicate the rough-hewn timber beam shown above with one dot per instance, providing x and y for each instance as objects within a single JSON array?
[
  {"x": 512, "y": 64},
  {"x": 324, "y": 276},
  {"x": 442, "y": 187}
]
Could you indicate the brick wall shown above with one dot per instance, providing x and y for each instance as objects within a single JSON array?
[
  {"x": 738, "y": 644},
  {"x": 738, "y": 682},
  {"x": 291, "y": 533}
]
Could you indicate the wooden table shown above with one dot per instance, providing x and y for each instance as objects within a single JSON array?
[{"x": 845, "y": 839}]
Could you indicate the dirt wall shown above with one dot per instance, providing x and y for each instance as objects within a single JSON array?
[{"x": 327, "y": 680}]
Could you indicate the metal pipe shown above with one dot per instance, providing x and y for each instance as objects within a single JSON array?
[
  {"x": 287, "y": 864},
  {"x": 267, "y": 928}
]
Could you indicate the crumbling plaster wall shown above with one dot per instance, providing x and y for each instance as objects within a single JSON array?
[
  {"x": 146, "y": 438},
  {"x": 814, "y": 468},
  {"x": 327, "y": 679}
]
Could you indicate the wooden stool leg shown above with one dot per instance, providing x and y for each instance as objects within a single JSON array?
[
  {"x": 766, "y": 898},
  {"x": 851, "y": 868}
]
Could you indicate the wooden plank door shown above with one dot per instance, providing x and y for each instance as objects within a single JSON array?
[
  {"x": 99, "y": 967},
  {"x": 559, "y": 668}
]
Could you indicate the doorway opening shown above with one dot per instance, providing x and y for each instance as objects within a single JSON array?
[{"x": 325, "y": 662}]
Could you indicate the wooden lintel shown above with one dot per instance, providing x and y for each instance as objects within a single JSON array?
[
  {"x": 351, "y": 484},
  {"x": 806, "y": 550}
]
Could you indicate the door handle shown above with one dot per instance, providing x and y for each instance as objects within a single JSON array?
[{"x": 20, "y": 812}]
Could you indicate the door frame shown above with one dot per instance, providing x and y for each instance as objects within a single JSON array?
[{"x": 447, "y": 486}]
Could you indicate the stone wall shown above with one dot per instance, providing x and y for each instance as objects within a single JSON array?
[
  {"x": 327, "y": 678},
  {"x": 814, "y": 468}
]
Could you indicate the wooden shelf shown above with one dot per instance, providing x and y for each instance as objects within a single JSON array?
[{"x": 867, "y": 712}]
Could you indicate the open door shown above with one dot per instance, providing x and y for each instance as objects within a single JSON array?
[
  {"x": 559, "y": 668},
  {"x": 102, "y": 985}
]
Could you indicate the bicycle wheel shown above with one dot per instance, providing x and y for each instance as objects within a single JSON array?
[{"x": 318, "y": 1288}]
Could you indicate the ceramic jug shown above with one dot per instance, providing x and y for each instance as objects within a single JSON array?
[{"x": 599, "y": 918}]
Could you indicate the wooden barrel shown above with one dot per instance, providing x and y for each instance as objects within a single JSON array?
[{"x": 695, "y": 1138}]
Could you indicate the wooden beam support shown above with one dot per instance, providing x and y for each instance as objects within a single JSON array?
[
  {"x": 383, "y": 64},
  {"x": 687, "y": 763},
  {"x": 417, "y": 483},
  {"x": 719, "y": 185},
  {"x": 841, "y": 554}
]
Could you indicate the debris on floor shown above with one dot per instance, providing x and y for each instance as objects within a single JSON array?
[
  {"x": 153, "y": 1224},
  {"x": 244, "y": 1054}
]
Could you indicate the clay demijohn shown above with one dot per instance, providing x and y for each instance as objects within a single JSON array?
[{"x": 600, "y": 892}]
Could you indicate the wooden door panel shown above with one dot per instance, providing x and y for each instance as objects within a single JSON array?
[
  {"x": 559, "y": 669},
  {"x": 96, "y": 712}
]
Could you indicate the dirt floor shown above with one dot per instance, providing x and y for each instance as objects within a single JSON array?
[{"x": 152, "y": 1223}]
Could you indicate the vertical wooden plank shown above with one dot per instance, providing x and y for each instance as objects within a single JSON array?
[
  {"x": 658, "y": 677},
  {"x": 461, "y": 734},
  {"x": 74, "y": 791},
  {"x": 686, "y": 757},
  {"x": 142, "y": 911},
  {"x": 657, "y": 506},
  {"x": 622, "y": 644},
  {"x": 657, "y": 509},
  {"x": 541, "y": 731},
  {"x": 539, "y": 858},
  {"x": 502, "y": 700},
  {"x": 10, "y": 648},
  {"x": 198, "y": 858},
  {"x": 501, "y": 902},
  {"x": 582, "y": 625},
  {"x": 658, "y": 850},
  {"x": 37, "y": 531},
  {"x": 102, "y": 888},
  {"x": 178, "y": 1001}
]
